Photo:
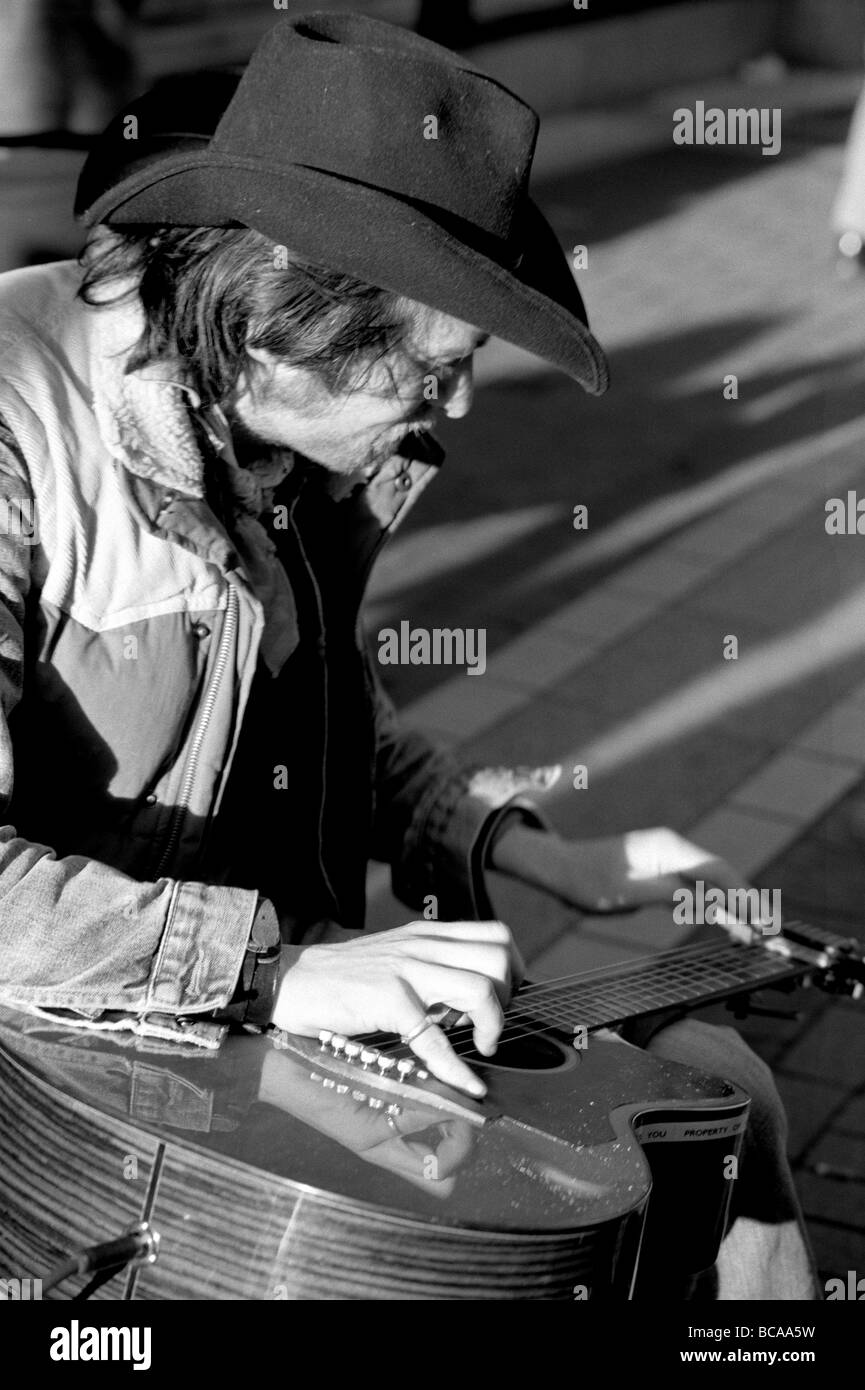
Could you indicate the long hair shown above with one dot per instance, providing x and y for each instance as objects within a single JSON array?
[{"x": 209, "y": 292}]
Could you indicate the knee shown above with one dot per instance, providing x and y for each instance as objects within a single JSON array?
[
  {"x": 765, "y": 1191},
  {"x": 721, "y": 1051}
]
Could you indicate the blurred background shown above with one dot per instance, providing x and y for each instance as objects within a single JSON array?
[{"x": 728, "y": 288}]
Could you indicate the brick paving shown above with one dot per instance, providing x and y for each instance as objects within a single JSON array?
[{"x": 706, "y": 518}]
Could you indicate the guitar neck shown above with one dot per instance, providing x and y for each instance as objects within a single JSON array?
[{"x": 685, "y": 976}]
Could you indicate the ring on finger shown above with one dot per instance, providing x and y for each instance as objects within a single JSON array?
[{"x": 429, "y": 1020}]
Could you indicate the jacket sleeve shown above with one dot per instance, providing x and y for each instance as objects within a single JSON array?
[
  {"x": 77, "y": 935},
  {"x": 436, "y": 818}
]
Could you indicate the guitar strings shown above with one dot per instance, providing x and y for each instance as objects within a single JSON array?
[
  {"x": 708, "y": 956},
  {"x": 608, "y": 1016}
]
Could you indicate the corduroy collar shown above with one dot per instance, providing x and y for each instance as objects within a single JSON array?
[
  {"x": 148, "y": 420},
  {"x": 143, "y": 416}
]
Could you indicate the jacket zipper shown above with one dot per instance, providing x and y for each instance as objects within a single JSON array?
[{"x": 226, "y": 646}]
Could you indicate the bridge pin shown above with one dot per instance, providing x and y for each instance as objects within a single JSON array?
[
  {"x": 385, "y": 1064},
  {"x": 324, "y": 1038},
  {"x": 405, "y": 1067},
  {"x": 352, "y": 1050},
  {"x": 367, "y": 1056}
]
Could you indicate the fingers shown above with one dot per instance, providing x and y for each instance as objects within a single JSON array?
[
  {"x": 491, "y": 930},
  {"x": 650, "y": 854},
  {"x": 454, "y": 937},
  {"x": 663, "y": 861},
  {"x": 474, "y": 995},
  {"x": 661, "y": 890},
  {"x": 719, "y": 874},
  {"x": 471, "y": 993},
  {"x": 456, "y": 1145},
  {"x": 474, "y": 957},
  {"x": 738, "y": 929},
  {"x": 436, "y": 1053},
  {"x": 716, "y": 873}
]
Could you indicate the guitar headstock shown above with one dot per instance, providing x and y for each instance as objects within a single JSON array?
[{"x": 839, "y": 962}]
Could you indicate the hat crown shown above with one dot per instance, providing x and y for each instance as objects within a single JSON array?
[
  {"x": 367, "y": 149},
  {"x": 366, "y": 101}
]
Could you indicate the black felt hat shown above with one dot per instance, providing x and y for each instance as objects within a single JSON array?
[{"x": 360, "y": 145}]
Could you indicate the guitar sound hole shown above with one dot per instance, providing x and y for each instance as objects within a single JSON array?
[{"x": 539, "y": 1052}]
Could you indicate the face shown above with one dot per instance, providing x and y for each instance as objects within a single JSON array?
[{"x": 354, "y": 431}]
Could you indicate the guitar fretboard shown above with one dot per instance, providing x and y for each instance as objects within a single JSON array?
[{"x": 686, "y": 975}]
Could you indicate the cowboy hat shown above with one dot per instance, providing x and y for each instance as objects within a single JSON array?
[{"x": 369, "y": 149}]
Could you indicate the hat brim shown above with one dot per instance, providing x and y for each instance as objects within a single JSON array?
[{"x": 378, "y": 238}]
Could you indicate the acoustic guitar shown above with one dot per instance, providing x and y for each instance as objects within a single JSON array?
[{"x": 336, "y": 1168}]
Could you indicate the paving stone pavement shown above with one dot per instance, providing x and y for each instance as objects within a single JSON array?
[{"x": 706, "y": 520}]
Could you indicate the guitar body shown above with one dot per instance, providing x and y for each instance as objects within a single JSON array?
[{"x": 280, "y": 1173}]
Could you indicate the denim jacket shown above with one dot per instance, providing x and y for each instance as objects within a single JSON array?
[{"x": 132, "y": 622}]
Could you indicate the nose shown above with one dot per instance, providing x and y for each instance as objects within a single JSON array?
[{"x": 456, "y": 400}]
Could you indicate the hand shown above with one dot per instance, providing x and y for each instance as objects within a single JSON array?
[
  {"x": 638, "y": 868},
  {"x": 387, "y": 981},
  {"x": 649, "y": 866},
  {"x": 615, "y": 873},
  {"x": 403, "y": 1146}
]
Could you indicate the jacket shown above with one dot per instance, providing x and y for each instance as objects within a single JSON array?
[{"x": 132, "y": 623}]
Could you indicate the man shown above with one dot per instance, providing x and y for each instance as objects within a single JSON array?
[{"x": 206, "y": 439}]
